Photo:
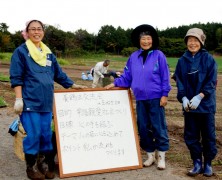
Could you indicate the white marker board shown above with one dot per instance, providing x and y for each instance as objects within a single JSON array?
[{"x": 95, "y": 132}]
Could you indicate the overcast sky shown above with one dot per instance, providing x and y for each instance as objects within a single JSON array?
[{"x": 91, "y": 15}]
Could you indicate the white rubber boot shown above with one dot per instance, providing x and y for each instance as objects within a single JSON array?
[
  {"x": 161, "y": 160},
  {"x": 151, "y": 159}
]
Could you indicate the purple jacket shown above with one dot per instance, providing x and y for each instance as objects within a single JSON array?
[{"x": 149, "y": 80}]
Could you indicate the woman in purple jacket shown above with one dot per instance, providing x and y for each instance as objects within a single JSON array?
[{"x": 147, "y": 74}]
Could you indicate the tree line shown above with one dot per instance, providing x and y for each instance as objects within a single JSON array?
[{"x": 112, "y": 40}]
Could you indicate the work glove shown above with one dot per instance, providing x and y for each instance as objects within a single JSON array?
[
  {"x": 18, "y": 106},
  {"x": 102, "y": 76},
  {"x": 186, "y": 103},
  {"x": 195, "y": 101},
  {"x": 76, "y": 86}
]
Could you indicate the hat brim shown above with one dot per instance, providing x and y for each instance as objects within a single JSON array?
[{"x": 135, "y": 36}]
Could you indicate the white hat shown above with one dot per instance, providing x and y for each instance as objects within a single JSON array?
[{"x": 196, "y": 32}]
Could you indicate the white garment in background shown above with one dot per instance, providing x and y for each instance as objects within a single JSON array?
[{"x": 99, "y": 70}]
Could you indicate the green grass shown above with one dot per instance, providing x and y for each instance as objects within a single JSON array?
[
  {"x": 2, "y": 102},
  {"x": 219, "y": 63},
  {"x": 63, "y": 61},
  {"x": 117, "y": 62},
  {"x": 4, "y": 78},
  {"x": 173, "y": 61}
]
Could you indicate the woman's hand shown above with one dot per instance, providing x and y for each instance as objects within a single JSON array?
[
  {"x": 163, "y": 101},
  {"x": 76, "y": 86},
  {"x": 109, "y": 86}
]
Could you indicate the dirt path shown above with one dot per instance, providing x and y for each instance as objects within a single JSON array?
[{"x": 12, "y": 168}]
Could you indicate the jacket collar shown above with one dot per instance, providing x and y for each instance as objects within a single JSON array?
[
  {"x": 187, "y": 55},
  {"x": 141, "y": 51}
]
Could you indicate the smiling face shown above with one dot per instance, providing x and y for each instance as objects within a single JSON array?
[
  {"x": 146, "y": 42},
  {"x": 193, "y": 44},
  {"x": 35, "y": 32}
]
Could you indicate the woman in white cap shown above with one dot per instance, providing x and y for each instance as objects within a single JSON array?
[
  {"x": 196, "y": 78},
  {"x": 147, "y": 73}
]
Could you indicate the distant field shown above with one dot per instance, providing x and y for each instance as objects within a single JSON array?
[
  {"x": 118, "y": 62},
  {"x": 173, "y": 61}
]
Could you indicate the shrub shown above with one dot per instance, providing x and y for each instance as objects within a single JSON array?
[
  {"x": 100, "y": 51},
  {"x": 128, "y": 51}
]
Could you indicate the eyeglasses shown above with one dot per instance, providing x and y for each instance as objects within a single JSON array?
[{"x": 35, "y": 29}]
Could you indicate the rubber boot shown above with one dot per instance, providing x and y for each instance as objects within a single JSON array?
[
  {"x": 32, "y": 169},
  {"x": 207, "y": 169},
  {"x": 46, "y": 165},
  {"x": 50, "y": 159},
  {"x": 161, "y": 165},
  {"x": 151, "y": 159},
  {"x": 197, "y": 169}
]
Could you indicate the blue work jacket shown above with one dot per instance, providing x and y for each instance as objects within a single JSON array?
[
  {"x": 37, "y": 81},
  {"x": 197, "y": 74}
]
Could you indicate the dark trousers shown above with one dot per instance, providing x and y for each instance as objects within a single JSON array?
[
  {"x": 200, "y": 135},
  {"x": 152, "y": 125},
  {"x": 113, "y": 74}
]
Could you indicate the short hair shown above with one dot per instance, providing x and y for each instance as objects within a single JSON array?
[
  {"x": 27, "y": 27},
  {"x": 107, "y": 61},
  {"x": 147, "y": 33}
]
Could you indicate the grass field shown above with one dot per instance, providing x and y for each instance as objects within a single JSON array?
[{"x": 118, "y": 62}]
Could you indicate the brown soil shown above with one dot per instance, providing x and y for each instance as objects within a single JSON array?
[{"x": 177, "y": 157}]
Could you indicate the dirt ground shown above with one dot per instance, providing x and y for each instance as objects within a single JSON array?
[{"x": 177, "y": 158}]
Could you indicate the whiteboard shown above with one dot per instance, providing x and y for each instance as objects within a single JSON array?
[{"x": 95, "y": 132}]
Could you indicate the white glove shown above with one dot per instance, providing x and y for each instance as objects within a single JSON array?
[
  {"x": 102, "y": 76},
  {"x": 186, "y": 103},
  {"x": 18, "y": 106},
  {"x": 195, "y": 101},
  {"x": 76, "y": 86}
]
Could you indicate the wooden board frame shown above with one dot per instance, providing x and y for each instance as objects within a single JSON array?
[{"x": 64, "y": 161}]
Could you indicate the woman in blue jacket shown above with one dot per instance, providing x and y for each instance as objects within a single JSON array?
[
  {"x": 196, "y": 77},
  {"x": 33, "y": 71},
  {"x": 147, "y": 73}
]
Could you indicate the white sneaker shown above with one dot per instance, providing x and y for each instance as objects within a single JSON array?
[
  {"x": 161, "y": 160},
  {"x": 151, "y": 159}
]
